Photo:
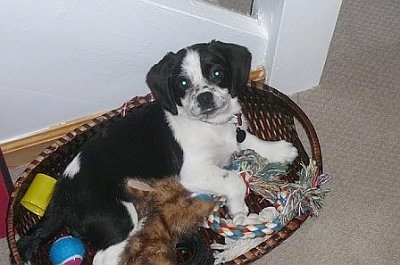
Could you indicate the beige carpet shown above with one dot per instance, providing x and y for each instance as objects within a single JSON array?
[{"x": 356, "y": 112}]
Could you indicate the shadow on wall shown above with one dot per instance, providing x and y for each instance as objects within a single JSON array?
[{"x": 240, "y": 6}]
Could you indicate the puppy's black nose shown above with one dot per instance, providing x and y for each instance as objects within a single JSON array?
[{"x": 205, "y": 100}]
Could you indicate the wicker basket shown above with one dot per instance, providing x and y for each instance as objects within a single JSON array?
[{"x": 271, "y": 116}]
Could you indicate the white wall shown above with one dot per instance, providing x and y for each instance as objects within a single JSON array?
[
  {"x": 65, "y": 59},
  {"x": 299, "y": 34}
]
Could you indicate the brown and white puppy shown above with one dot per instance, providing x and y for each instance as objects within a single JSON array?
[{"x": 167, "y": 213}]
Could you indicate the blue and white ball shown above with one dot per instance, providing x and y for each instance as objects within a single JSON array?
[{"x": 67, "y": 250}]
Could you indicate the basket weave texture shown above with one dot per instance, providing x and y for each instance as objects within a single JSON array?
[{"x": 271, "y": 116}]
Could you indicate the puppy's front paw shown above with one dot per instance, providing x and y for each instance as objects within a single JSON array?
[
  {"x": 237, "y": 206},
  {"x": 283, "y": 152}
]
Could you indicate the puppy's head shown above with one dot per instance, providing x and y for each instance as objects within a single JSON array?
[
  {"x": 201, "y": 81},
  {"x": 170, "y": 199}
]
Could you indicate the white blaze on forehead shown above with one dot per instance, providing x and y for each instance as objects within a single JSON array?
[{"x": 191, "y": 68}]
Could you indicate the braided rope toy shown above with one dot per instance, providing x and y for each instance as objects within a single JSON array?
[
  {"x": 226, "y": 227},
  {"x": 288, "y": 199}
]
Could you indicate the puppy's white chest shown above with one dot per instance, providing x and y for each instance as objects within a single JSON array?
[{"x": 202, "y": 141}]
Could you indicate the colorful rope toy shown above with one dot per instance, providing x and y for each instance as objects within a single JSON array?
[{"x": 266, "y": 179}]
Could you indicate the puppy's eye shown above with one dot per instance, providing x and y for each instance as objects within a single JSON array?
[
  {"x": 216, "y": 74},
  {"x": 184, "y": 83}
]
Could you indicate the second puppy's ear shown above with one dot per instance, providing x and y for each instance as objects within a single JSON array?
[
  {"x": 239, "y": 59},
  {"x": 158, "y": 81},
  {"x": 138, "y": 185}
]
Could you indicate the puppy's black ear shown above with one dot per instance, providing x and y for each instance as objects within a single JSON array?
[
  {"x": 239, "y": 59},
  {"x": 158, "y": 81}
]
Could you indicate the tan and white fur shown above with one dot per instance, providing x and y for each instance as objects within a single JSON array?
[{"x": 168, "y": 213}]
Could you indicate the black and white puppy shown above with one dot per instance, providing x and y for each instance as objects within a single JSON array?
[{"x": 186, "y": 132}]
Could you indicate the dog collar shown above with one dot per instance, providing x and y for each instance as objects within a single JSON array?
[
  {"x": 240, "y": 133},
  {"x": 236, "y": 119},
  {"x": 201, "y": 196}
]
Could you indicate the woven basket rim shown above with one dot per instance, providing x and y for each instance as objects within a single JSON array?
[{"x": 250, "y": 256}]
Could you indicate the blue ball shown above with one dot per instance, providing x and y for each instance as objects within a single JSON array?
[{"x": 67, "y": 250}]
